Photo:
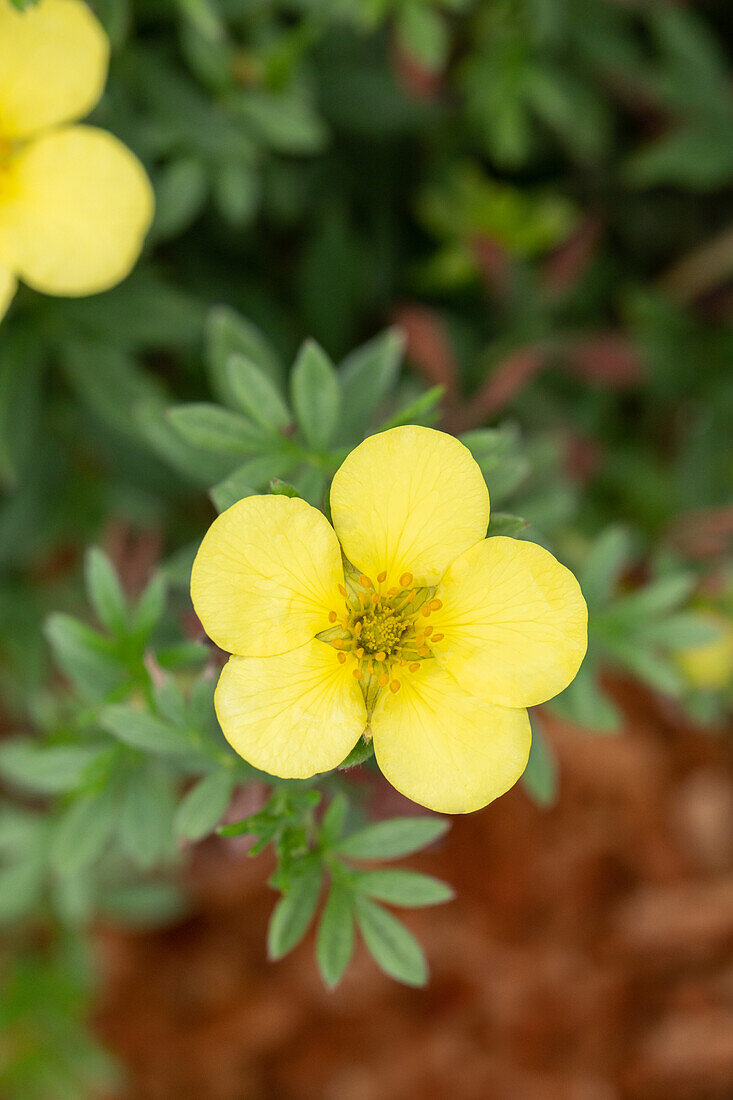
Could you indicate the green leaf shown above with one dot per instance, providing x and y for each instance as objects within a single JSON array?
[
  {"x": 227, "y": 334},
  {"x": 278, "y": 488},
  {"x": 238, "y": 192},
  {"x": 150, "y": 607},
  {"x": 423, "y": 34},
  {"x": 680, "y": 631},
  {"x": 231, "y": 489},
  {"x": 83, "y": 831},
  {"x": 105, "y": 591},
  {"x": 48, "y": 769},
  {"x": 294, "y": 911},
  {"x": 285, "y": 122},
  {"x": 335, "y": 942},
  {"x": 200, "y": 811},
  {"x": 399, "y": 836},
  {"x": 217, "y": 429},
  {"x": 143, "y": 903},
  {"x": 503, "y": 523},
  {"x": 141, "y": 730},
  {"x": 256, "y": 395},
  {"x": 83, "y": 655},
  {"x": 365, "y": 378},
  {"x": 540, "y": 775},
  {"x": 315, "y": 394},
  {"x": 657, "y": 598},
  {"x": 602, "y": 568},
  {"x": 250, "y": 477},
  {"x": 196, "y": 464},
  {"x": 146, "y": 819},
  {"x": 393, "y": 948},
  {"x": 180, "y": 193},
  {"x": 20, "y": 888},
  {"x": 398, "y": 887},
  {"x": 334, "y": 819},
  {"x": 423, "y": 410},
  {"x": 585, "y": 703}
]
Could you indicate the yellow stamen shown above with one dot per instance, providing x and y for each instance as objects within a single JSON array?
[
  {"x": 357, "y": 674},
  {"x": 406, "y": 580},
  {"x": 342, "y": 658},
  {"x": 393, "y": 591},
  {"x": 395, "y": 686},
  {"x": 423, "y": 651},
  {"x": 358, "y": 626},
  {"x": 342, "y": 590},
  {"x": 364, "y": 581},
  {"x": 337, "y": 643},
  {"x": 428, "y": 630},
  {"x": 383, "y": 680},
  {"x": 360, "y": 653},
  {"x": 380, "y": 656},
  {"x": 437, "y": 637},
  {"x": 414, "y": 667},
  {"x": 381, "y": 577},
  {"x": 332, "y": 616},
  {"x": 435, "y": 605}
]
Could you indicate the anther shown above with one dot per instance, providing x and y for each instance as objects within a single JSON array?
[
  {"x": 425, "y": 609},
  {"x": 428, "y": 630},
  {"x": 380, "y": 656},
  {"x": 359, "y": 626},
  {"x": 415, "y": 667},
  {"x": 412, "y": 595},
  {"x": 383, "y": 680},
  {"x": 406, "y": 580},
  {"x": 438, "y": 637},
  {"x": 395, "y": 686},
  {"x": 381, "y": 577},
  {"x": 423, "y": 651},
  {"x": 332, "y": 616},
  {"x": 435, "y": 605},
  {"x": 337, "y": 643},
  {"x": 342, "y": 658},
  {"x": 357, "y": 674},
  {"x": 342, "y": 590},
  {"x": 364, "y": 581},
  {"x": 360, "y": 653},
  {"x": 393, "y": 591}
]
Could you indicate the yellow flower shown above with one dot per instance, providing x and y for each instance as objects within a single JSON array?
[
  {"x": 424, "y": 635},
  {"x": 75, "y": 204}
]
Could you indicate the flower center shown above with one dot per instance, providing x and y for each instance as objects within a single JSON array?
[
  {"x": 381, "y": 629},
  {"x": 384, "y": 632}
]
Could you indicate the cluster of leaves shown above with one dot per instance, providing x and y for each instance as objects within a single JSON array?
[
  {"x": 309, "y": 850},
  {"x": 131, "y": 768}
]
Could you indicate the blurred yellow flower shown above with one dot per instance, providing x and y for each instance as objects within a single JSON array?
[
  {"x": 402, "y": 621},
  {"x": 75, "y": 204},
  {"x": 710, "y": 666}
]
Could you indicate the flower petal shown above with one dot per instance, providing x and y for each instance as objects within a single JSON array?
[
  {"x": 53, "y": 65},
  {"x": 267, "y": 575},
  {"x": 293, "y": 715},
  {"x": 7, "y": 289},
  {"x": 444, "y": 748},
  {"x": 409, "y": 500},
  {"x": 513, "y": 620},
  {"x": 76, "y": 207}
]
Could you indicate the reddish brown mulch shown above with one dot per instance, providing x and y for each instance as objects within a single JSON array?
[{"x": 589, "y": 955}]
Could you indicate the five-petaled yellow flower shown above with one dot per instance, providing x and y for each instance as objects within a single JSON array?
[
  {"x": 401, "y": 621},
  {"x": 75, "y": 204}
]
